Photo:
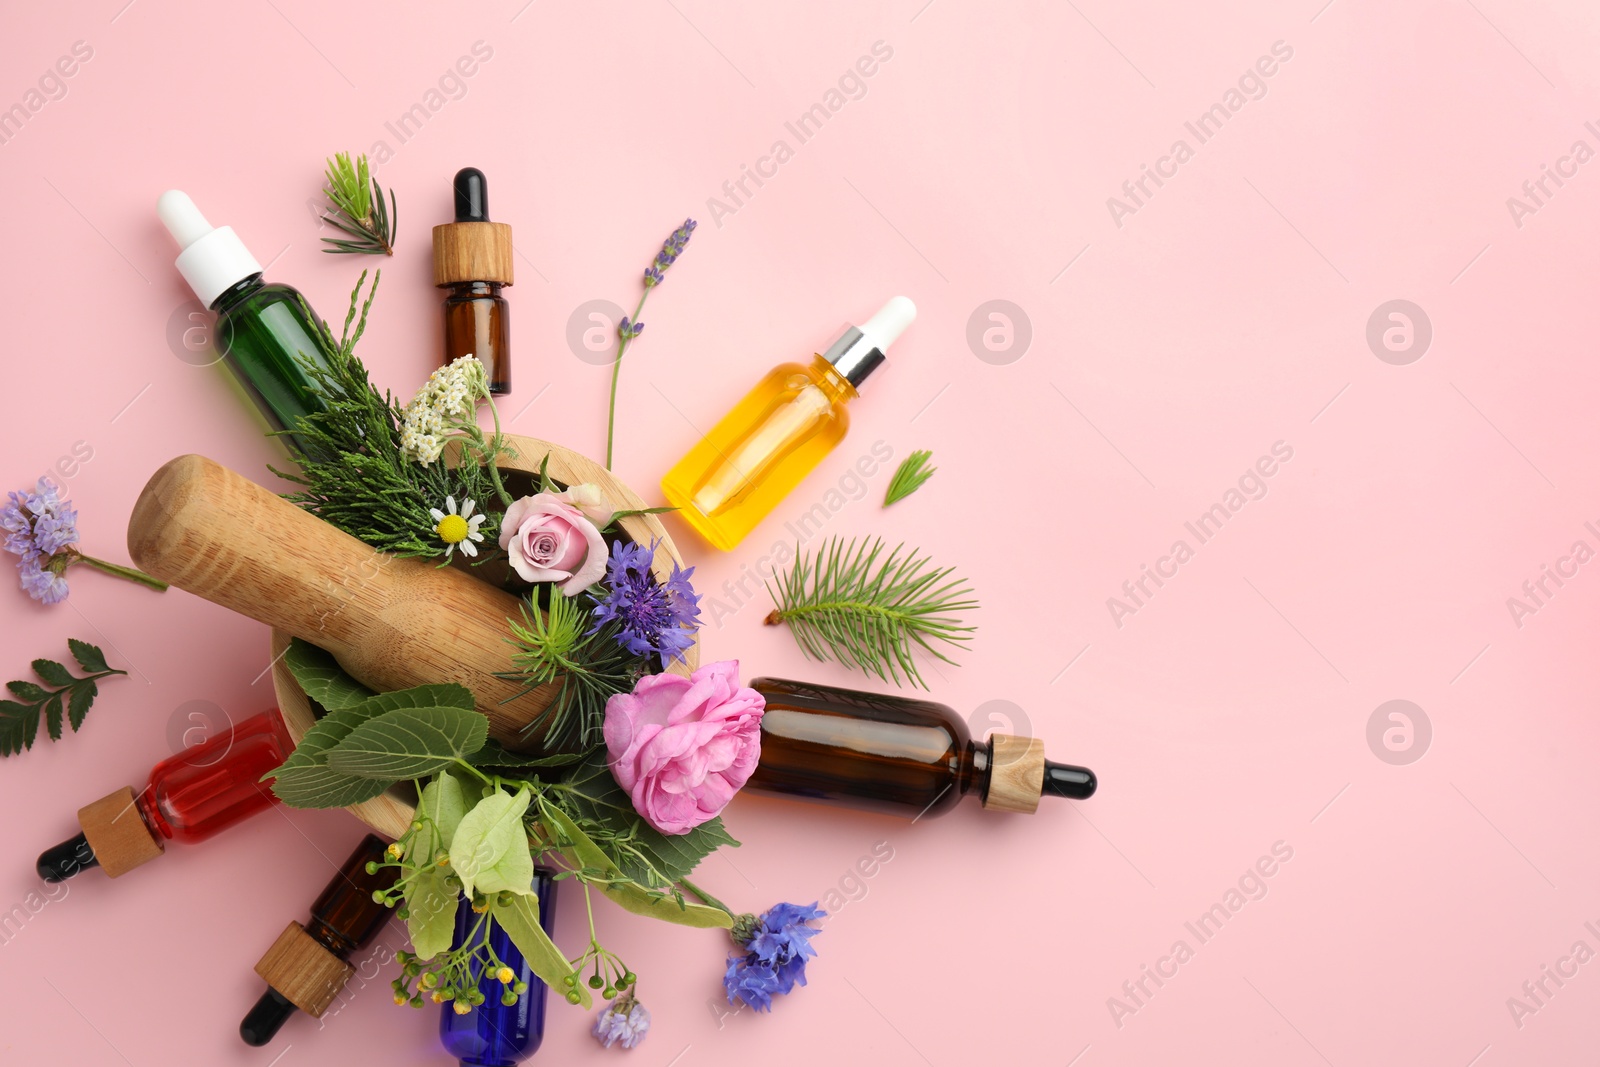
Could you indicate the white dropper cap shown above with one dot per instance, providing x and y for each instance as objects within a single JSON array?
[
  {"x": 213, "y": 259},
  {"x": 885, "y": 328},
  {"x": 860, "y": 350}
]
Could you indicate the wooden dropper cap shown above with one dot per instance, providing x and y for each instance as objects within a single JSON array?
[
  {"x": 1019, "y": 775},
  {"x": 471, "y": 249}
]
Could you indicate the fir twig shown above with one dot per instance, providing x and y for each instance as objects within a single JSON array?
[
  {"x": 872, "y": 610},
  {"x": 358, "y": 209},
  {"x": 19, "y": 719},
  {"x": 552, "y": 646},
  {"x": 909, "y": 477}
]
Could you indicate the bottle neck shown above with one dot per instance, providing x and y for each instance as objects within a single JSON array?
[
  {"x": 237, "y": 292},
  {"x": 835, "y": 386},
  {"x": 473, "y": 289}
]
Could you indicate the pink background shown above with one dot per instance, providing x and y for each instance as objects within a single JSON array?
[{"x": 1227, "y": 313}]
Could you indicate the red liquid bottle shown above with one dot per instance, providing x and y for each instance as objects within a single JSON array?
[{"x": 200, "y": 791}]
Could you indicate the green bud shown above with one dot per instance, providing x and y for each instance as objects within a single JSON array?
[
  {"x": 595, "y": 981},
  {"x": 572, "y": 996},
  {"x": 508, "y": 998},
  {"x": 404, "y": 913},
  {"x": 430, "y": 980},
  {"x": 569, "y": 979},
  {"x": 372, "y": 867},
  {"x": 608, "y": 992},
  {"x": 378, "y": 897},
  {"x": 628, "y": 980},
  {"x": 416, "y": 1001},
  {"x": 519, "y": 987},
  {"x": 413, "y": 969}
]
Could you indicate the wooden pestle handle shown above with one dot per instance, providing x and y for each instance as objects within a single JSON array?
[{"x": 392, "y": 623}]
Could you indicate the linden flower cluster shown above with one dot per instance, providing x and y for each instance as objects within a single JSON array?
[{"x": 449, "y": 398}]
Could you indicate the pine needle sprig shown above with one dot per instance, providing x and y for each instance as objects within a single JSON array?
[
  {"x": 358, "y": 209},
  {"x": 553, "y": 646},
  {"x": 19, "y": 719},
  {"x": 872, "y": 610},
  {"x": 910, "y": 476},
  {"x": 353, "y": 472}
]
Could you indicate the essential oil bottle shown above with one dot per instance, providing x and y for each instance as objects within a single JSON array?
[
  {"x": 202, "y": 790},
  {"x": 494, "y": 1034},
  {"x": 472, "y": 259},
  {"x": 897, "y": 755},
  {"x": 307, "y": 966},
  {"x": 265, "y": 332},
  {"x": 782, "y": 429}
]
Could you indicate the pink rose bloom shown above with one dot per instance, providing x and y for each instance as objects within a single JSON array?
[
  {"x": 551, "y": 540},
  {"x": 681, "y": 747}
]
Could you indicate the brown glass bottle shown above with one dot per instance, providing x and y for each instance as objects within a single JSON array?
[
  {"x": 305, "y": 969},
  {"x": 472, "y": 260},
  {"x": 896, "y": 754}
]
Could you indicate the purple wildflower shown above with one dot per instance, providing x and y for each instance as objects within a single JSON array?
[
  {"x": 624, "y": 1021},
  {"x": 42, "y": 530},
  {"x": 655, "y": 617},
  {"x": 671, "y": 249},
  {"x": 778, "y": 944},
  {"x": 44, "y": 585}
]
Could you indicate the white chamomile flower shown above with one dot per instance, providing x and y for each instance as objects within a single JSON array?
[{"x": 457, "y": 528}]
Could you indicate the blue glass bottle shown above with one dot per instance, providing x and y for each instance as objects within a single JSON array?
[{"x": 492, "y": 1034}]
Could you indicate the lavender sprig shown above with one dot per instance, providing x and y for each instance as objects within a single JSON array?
[{"x": 631, "y": 327}]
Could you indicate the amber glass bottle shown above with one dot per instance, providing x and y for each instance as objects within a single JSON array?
[
  {"x": 472, "y": 260},
  {"x": 306, "y": 967},
  {"x": 897, "y": 755}
]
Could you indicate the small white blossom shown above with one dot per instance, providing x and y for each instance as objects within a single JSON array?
[{"x": 450, "y": 396}]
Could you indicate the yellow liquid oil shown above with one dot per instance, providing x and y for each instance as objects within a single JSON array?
[{"x": 760, "y": 451}]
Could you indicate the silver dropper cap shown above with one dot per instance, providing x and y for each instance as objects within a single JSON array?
[{"x": 860, "y": 350}]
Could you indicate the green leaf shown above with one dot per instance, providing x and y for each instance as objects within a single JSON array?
[
  {"x": 653, "y": 859},
  {"x": 410, "y": 743},
  {"x": 320, "y": 675},
  {"x": 52, "y": 672},
  {"x": 311, "y": 785},
  {"x": 443, "y": 804},
  {"x": 490, "y": 851},
  {"x": 28, "y": 691},
  {"x": 83, "y": 695},
  {"x": 493, "y": 755},
  {"x": 52, "y": 716},
  {"x": 89, "y": 657},
  {"x": 521, "y": 923},
  {"x": 17, "y": 725},
  {"x": 626, "y": 893},
  {"x": 430, "y": 913}
]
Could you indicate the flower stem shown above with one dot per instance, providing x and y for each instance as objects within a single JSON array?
[
  {"x": 616, "y": 372},
  {"x": 124, "y": 572},
  {"x": 705, "y": 897}
]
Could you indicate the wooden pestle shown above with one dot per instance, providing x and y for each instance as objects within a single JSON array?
[{"x": 391, "y": 623}]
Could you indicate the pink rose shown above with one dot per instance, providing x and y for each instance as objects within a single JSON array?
[
  {"x": 681, "y": 747},
  {"x": 551, "y": 540}
]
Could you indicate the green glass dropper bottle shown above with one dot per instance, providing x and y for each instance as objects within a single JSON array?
[{"x": 265, "y": 331}]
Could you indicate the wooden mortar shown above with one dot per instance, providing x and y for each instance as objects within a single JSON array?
[{"x": 391, "y": 623}]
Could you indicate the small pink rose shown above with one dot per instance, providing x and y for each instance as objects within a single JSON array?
[
  {"x": 682, "y": 747},
  {"x": 550, "y": 540}
]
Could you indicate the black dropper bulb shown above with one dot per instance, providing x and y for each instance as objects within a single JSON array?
[
  {"x": 266, "y": 1018},
  {"x": 66, "y": 859},
  {"x": 1065, "y": 780},
  {"x": 472, "y": 195}
]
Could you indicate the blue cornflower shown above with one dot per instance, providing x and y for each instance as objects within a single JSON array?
[
  {"x": 655, "y": 617},
  {"x": 624, "y": 1021},
  {"x": 778, "y": 944}
]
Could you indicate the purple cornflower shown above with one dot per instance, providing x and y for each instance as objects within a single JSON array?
[
  {"x": 778, "y": 943},
  {"x": 42, "y": 530},
  {"x": 655, "y": 617},
  {"x": 624, "y": 1021}
]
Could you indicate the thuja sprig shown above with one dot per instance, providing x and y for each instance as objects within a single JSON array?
[
  {"x": 629, "y": 328},
  {"x": 910, "y": 476},
  {"x": 358, "y": 209},
  {"x": 872, "y": 609},
  {"x": 19, "y": 719}
]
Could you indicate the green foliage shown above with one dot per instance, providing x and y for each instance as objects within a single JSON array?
[
  {"x": 320, "y": 675},
  {"x": 872, "y": 610},
  {"x": 591, "y": 796},
  {"x": 490, "y": 852},
  {"x": 909, "y": 477},
  {"x": 358, "y": 209},
  {"x": 409, "y": 743},
  {"x": 352, "y": 469},
  {"x": 70, "y": 697},
  {"x": 553, "y": 646}
]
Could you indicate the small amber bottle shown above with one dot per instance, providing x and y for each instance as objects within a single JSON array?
[
  {"x": 307, "y": 966},
  {"x": 778, "y": 433},
  {"x": 897, "y": 755},
  {"x": 472, "y": 259}
]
